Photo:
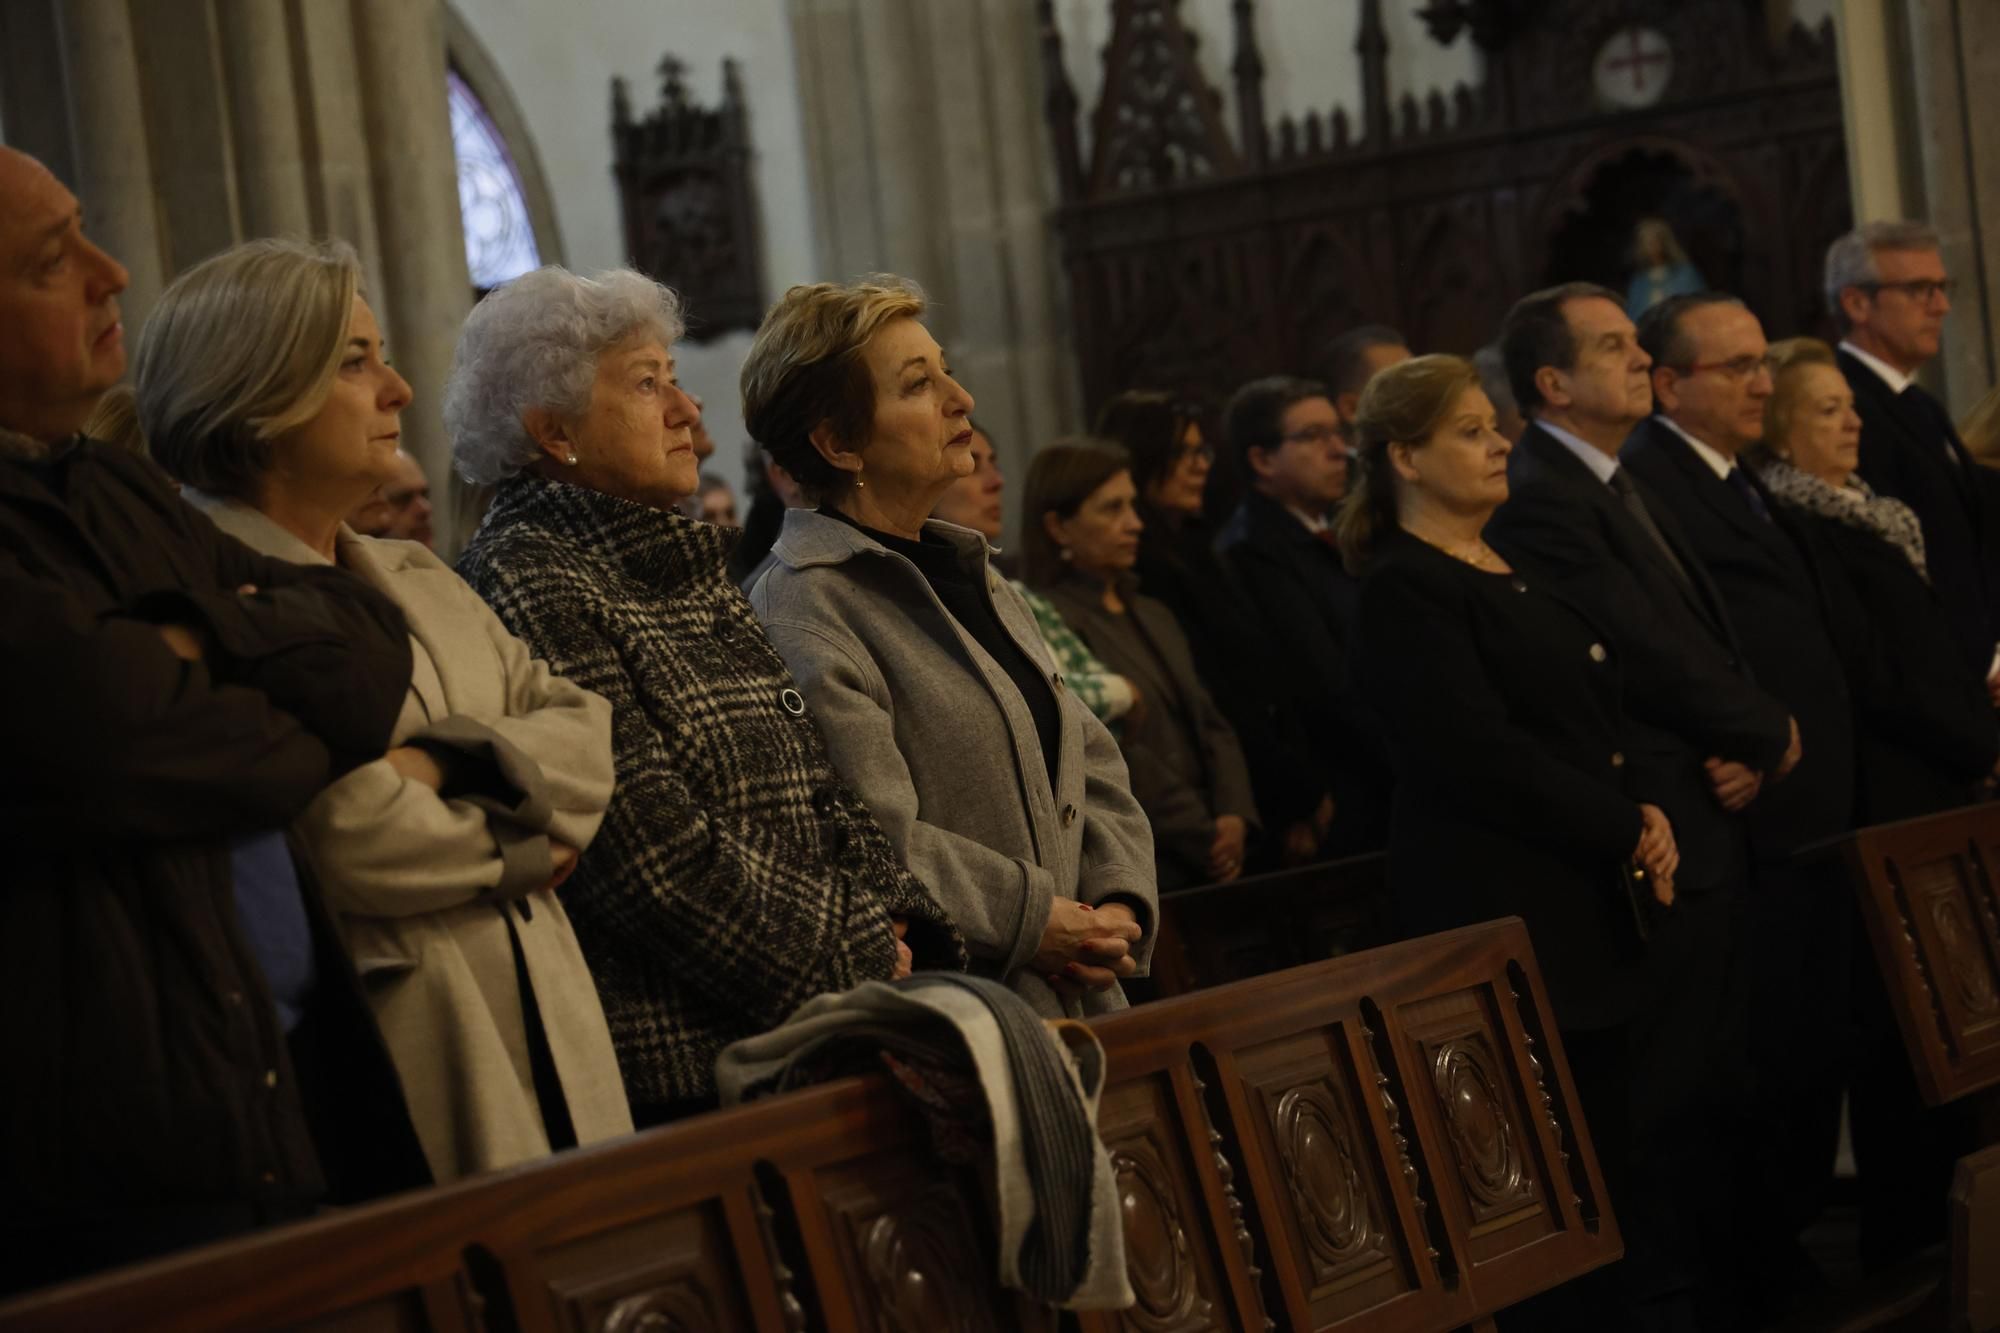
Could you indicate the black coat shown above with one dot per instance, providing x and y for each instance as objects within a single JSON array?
[
  {"x": 1259, "y": 689},
  {"x": 1767, "y": 573},
  {"x": 1307, "y": 603},
  {"x": 144, "y": 1066},
  {"x": 1925, "y": 729},
  {"x": 1911, "y": 450},
  {"x": 1500, "y": 704},
  {"x": 1687, "y": 693}
]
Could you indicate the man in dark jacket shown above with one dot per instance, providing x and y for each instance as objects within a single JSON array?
[
  {"x": 173, "y": 1018},
  {"x": 1710, "y": 384},
  {"x": 1703, "y": 740},
  {"x": 1888, "y": 291},
  {"x": 1278, "y": 544}
]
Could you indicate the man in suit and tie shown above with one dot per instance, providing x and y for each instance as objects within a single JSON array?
[
  {"x": 1704, "y": 739},
  {"x": 1287, "y": 434},
  {"x": 1710, "y": 385},
  {"x": 1887, "y": 288}
]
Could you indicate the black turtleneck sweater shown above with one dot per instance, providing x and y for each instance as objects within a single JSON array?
[{"x": 957, "y": 583}]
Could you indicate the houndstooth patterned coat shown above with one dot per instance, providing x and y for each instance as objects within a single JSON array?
[{"x": 735, "y": 876}]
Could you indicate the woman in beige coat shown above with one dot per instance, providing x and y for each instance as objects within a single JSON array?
[{"x": 261, "y": 386}]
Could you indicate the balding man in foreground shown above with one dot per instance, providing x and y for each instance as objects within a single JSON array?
[{"x": 175, "y": 1016}]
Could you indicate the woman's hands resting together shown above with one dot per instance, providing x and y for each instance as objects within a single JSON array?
[
  {"x": 1656, "y": 852},
  {"x": 1087, "y": 948}
]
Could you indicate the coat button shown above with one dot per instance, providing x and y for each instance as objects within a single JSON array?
[
  {"x": 1056, "y": 680},
  {"x": 269, "y": 1177},
  {"x": 1618, "y": 759},
  {"x": 1518, "y": 585},
  {"x": 1597, "y": 653},
  {"x": 1068, "y": 815},
  {"x": 822, "y": 802},
  {"x": 794, "y": 702},
  {"x": 270, "y": 1078}
]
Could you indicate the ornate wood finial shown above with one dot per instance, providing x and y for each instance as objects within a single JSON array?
[
  {"x": 673, "y": 87},
  {"x": 1249, "y": 71},
  {"x": 1373, "y": 46},
  {"x": 1059, "y": 103},
  {"x": 1156, "y": 122}
]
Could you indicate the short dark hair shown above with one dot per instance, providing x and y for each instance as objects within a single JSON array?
[
  {"x": 1150, "y": 426},
  {"x": 1343, "y": 363},
  {"x": 1660, "y": 331},
  {"x": 1060, "y": 478},
  {"x": 1536, "y": 333},
  {"x": 1255, "y": 417}
]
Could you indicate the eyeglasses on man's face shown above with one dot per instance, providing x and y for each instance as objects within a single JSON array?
[
  {"x": 1320, "y": 434},
  {"x": 1735, "y": 368},
  {"x": 1923, "y": 291}
]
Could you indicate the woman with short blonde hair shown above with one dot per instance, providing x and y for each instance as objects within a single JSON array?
[
  {"x": 262, "y": 384},
  {"x": 939, "y": 700}
]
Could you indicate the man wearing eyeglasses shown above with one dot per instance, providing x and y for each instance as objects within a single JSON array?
[
  {"x": 1886, "y": 286},
  {"x": 1711, "y": 382}
]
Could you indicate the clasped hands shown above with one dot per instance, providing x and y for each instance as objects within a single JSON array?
[
  {"x": 1085, "y": 947},
  {"x": 1735, "y": 784}
]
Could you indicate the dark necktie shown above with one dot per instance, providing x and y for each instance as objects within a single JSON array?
[
  {"x": 1743, "y": 487},
  {"x": 1628, "y": 495}
]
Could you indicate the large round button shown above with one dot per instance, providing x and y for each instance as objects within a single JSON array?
[
  {"x": 794, "y": 702},
  {"x": 1597, "y": 653}
]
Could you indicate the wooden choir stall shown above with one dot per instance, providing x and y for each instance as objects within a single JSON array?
[{"x": 1387, "y": 1140}]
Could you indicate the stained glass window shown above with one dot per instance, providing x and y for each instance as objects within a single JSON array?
[{"x": 499, "y": 239}]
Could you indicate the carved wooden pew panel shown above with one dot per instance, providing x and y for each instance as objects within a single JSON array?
[
  {"x": 1398, "y": 1129},
  {"x": 1928, "y": 898}
]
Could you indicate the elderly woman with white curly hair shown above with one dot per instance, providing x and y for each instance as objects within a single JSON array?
[{"x": 735, "y": 875}]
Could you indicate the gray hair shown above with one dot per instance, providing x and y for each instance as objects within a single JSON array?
[
  {"x": 1850, "y": 260},
  {"x": 535, "y": 343}
]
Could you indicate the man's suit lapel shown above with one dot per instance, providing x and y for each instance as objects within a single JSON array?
[
  {"x": 1719, "y": 495},
  {"x": 1917, "y": 426}
]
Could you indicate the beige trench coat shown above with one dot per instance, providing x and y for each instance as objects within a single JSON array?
[{"x": 431, "y": 893}]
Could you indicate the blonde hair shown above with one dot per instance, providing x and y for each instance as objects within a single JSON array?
[
  {"x": 240, "y": 349},
  {"x": 1787, "y": 359},
  {"x": 1404, "y": 404},
  {"x": 805, "y": 370}
]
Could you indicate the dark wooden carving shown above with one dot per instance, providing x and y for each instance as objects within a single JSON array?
[
  {"x": 1358, "y": 1143},
  {"x": 1927, "y": 893},
  {"x": 684, "y": 192},
  {"x": 1195, "y": 263}
]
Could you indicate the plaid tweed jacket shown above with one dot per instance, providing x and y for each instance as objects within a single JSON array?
[{"x": 735, "y": 876}]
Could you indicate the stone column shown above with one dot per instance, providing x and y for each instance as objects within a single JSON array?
[
  {"x": 114, "y": 176},
  {"x": 399, "y": 46},
  {"x": 1956, "y": 51},
  {"x": 264, "y": 117}
]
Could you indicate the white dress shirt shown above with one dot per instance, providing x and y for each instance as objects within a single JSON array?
[
  {"x": 1601, "y": 464},
  {"x": 1718, "y": 462},
  {"x": 1888, "y": 374}
]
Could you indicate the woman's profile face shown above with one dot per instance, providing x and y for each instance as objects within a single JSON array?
[
  {"x": 348, "y": 449},
  {"x": 974, "y": 499},
  {"x": 1102, "y": 536},
  {"x": 921, "y": 439},
  {"x": 636, "y": 440},
  {"x": 1824, "y": 436},
  {"x": 1179, "y": 489},
  {"x": 1462, "y": 466}
]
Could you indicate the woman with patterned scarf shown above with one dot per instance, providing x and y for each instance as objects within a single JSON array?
[
  {"x": 1925, "y": 726},
  {"x": 735, "y": 876}
]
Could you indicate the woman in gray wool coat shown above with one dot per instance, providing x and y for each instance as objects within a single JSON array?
[
  {"x": 940, "y": 702},
  {"x": 735, "y": 876}
]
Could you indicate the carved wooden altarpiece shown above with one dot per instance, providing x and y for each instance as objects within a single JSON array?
[
  {"x": 1197, "y": 260},
  {"x": 683, "y": 174}
]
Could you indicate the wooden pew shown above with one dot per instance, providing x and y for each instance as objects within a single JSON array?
[
  {"x": 1928, "y": 898},
  {"x": 1387, "y": 1139},
  {"x": 1265, "y": 923},
  {"x": 1931, "y": 905}
]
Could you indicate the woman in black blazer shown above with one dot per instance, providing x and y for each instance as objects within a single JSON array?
[
  {"x": 1925, "y": 725},
  {"x": 1500, "y": 705}
]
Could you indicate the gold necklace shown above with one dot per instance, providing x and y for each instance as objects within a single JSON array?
[{"x": 1479, "y": 555}]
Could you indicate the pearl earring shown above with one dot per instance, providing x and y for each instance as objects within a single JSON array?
[{"x": 571, "y": 458}]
